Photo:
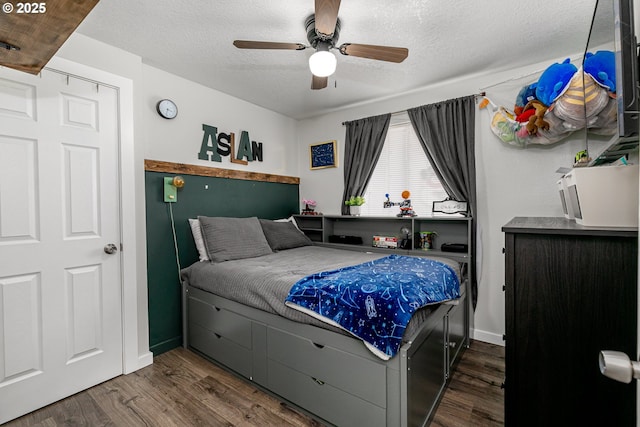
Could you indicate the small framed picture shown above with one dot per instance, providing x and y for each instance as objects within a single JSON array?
[
  {"x": 323, "y": 155},
  {"x": 449, "y": 206}
]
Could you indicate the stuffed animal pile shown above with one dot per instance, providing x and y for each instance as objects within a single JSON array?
[{"x": 563, "y": 100}]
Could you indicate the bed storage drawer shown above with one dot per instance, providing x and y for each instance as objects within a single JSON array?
[
  {"x": 332, "y": 404},
  {"x": 222, "y": 335},
  {"x": 220, "y": 321},
  {"x": 329, "y": 365},
  {"x": 221, "y": 349}
]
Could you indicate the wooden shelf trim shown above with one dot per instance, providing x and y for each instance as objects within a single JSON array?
[{"x": 182, "y": 168}]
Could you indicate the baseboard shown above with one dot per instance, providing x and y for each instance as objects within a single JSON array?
[
  {"x": 166, "y": 345},
  {"x": 145, "y": 359},
  {"x": 489, "y": 337}
]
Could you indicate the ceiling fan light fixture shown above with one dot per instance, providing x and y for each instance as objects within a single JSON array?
[
  {"x": 323, "y": 29},
  {"x": 323, "y": 62}
]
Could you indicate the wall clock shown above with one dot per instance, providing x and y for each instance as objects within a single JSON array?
[{"x": 167, "y": 108}]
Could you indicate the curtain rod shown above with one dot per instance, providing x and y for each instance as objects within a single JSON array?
[{"x": 404, "y": 111}]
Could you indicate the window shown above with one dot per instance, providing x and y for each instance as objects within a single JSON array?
[{"x": 403, "y": 165}]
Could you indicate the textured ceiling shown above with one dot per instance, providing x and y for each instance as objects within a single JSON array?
[{"x": 446, "y": 39}]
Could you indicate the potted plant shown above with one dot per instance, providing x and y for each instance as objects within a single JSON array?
[{"x": 354, "y": 203}]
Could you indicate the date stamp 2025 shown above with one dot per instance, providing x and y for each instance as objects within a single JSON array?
[{"x": 25, "y": 8}]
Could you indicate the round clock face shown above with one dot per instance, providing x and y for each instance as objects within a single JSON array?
[{"x": 167, "y": 109}]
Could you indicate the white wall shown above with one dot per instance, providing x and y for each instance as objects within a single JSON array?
[
  {"x": 510, "y": 181},
  {"x": 179, "y": 140}
]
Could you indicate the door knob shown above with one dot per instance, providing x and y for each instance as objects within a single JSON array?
[
  {"x": 110, "y": 248},
  {"x": 617, "y": 365}
]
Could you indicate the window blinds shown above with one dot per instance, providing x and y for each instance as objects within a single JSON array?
[{"x": 403, "y": 165}]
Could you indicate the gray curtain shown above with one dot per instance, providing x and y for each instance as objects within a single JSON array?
[
  {"x": 362, "y": 148},
  {"x": 447, "y": 134}
]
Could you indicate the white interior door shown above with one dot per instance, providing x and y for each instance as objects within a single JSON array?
[{"x": 60, "y": 292}]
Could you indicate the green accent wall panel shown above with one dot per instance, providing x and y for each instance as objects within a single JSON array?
[{"x": 208, "y": 196}]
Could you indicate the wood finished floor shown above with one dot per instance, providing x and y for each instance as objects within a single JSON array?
[{"x": 182, "y": 389}]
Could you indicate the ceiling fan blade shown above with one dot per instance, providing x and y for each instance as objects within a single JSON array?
[
  {"x": 381, "y": 53},
  {"x": 248, "y": 44},
  {"x": 326, "y": 17},
  {"x": 318, "y": 82}
]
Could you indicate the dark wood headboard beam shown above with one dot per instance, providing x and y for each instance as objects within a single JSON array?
[{"x": 182, "y": 168}]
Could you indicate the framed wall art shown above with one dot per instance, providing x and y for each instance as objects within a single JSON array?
[{"x": 323, "y": 155}]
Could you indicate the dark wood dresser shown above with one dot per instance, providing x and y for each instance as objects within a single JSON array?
[{"x": 570, "y": 292}]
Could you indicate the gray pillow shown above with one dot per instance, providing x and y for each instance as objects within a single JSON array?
[
  {"x": 233, "y": 238},
  {"x": 283, "y": 235}
]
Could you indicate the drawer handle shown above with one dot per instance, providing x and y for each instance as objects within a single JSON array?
[
  {"x": 319, "y": 382},
  {"x": 317, "y": 345},
  {"x": 217, "y": 335},
  {"x": 217, "y": 308}
]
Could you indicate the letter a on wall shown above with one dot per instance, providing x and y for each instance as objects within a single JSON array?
[
  {"x": 209, "y": 147},
  {"x": 244, "y": 148}
]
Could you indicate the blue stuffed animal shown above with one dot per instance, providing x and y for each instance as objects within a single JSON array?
[
  {"x": 553, "y": 81},
  {"x": 602, "y": 67},
  {"x": 526, "y": 94}
]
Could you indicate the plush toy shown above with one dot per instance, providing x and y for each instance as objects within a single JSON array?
[
  {"x": 524, "y": 116},
  {"x": 522, "y": 133},
  {"x": 606, "y": 122},
  {"x": 505, "y": 127},
  {"x": 602, "y": 67},
  {"x": 526, "y": 94},
  {"x": 553, "y": 80},
  {"x": 563, "y": 100},
  {"x": 536, "y": 121},
  {"x": 580, "y": 103}
]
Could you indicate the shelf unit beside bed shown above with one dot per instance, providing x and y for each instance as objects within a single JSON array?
[
  {"x": 312, "y": 226},
  {"x": 448, "y": 229}
]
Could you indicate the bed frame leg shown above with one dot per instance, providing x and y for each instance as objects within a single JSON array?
[{"x": 468, "y": 315}]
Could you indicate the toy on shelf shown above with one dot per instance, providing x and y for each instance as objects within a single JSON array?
[
  {"x": 407, "y": 241},
  {"x": 426, "y": 240},
  {"x": 309, "y": 207},
  {"x": 405, "y": 204}
]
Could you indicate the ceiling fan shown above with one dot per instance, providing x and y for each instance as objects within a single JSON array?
[{"x": 323, "y": 29}]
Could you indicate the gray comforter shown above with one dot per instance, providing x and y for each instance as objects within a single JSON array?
[{"x": 264, "y": 282}]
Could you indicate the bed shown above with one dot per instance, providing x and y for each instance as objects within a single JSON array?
[{"x": 234, "y": 313}]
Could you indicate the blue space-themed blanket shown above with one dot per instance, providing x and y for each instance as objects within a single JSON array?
[{"x": 374, "y": 301}]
